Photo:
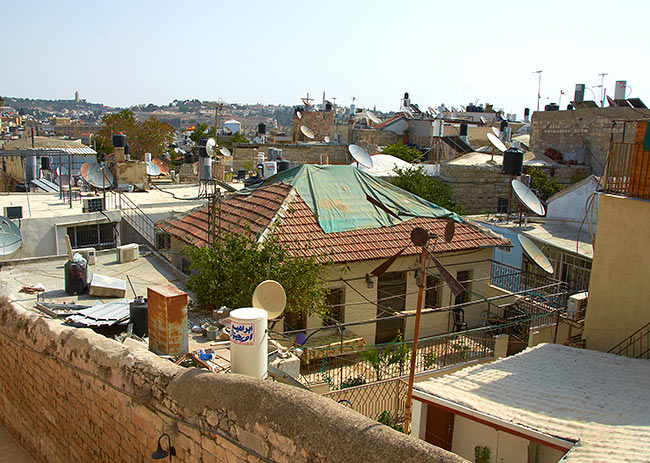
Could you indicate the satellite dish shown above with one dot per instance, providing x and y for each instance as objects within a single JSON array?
[
  {"x": 360, "y": 155},
  {"x": 327, "y": 139},
  {"x": 527, "y": 197},
  {"x": 483, "y": 120},
  {"x": 152, "y": 169},
  {"x": 225, "y": 151},
  {"x": 373, "y": 118},
  {"x": 306, "y": 131},
  {"x": 496, "y": 132},
  {"x": 299, "y": 114},
  {"x": 210, "y": 146},
  {"x": 498, "y": 144},
  {"x": 99, "y": 176},
  {"x": 450, "y": 230},
  {"x": 61, "y": 170},
  {"x": 10, "y": 237},
  {"x": 270, "y": 296},
  {"x": 433, "y": 111},
  {"x": 535, "y": 254}
]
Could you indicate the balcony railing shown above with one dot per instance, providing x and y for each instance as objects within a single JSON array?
[
  {"x": 637, "y": 345},
  {"x": 628, "y": 170}
]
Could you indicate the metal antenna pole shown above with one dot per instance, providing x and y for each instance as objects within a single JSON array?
[
  {"x": 602, "y": 88},
  {"x": 539, "y": 87},
  {"x": 416, "y": 332}
]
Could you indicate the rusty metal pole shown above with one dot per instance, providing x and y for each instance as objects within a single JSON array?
[{"x": 416, "y": 332}]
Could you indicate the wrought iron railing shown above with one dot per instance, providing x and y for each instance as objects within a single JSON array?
[
  {"x": 637, "y": 345},
  {"x": 545, "y": 289},
  {"x": 628, "y": 170},
  {"x": 138, "y": 219}
]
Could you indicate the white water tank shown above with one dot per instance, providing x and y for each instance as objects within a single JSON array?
[
  {"x": 438, "y": 127},
  {"x": 260, "y": 157},
  {"x": 232, "y": 125},
  {"x": 270, "y": 168},
  {"x": 249, "y": 342},
  {"x": 147, "y": 157}
]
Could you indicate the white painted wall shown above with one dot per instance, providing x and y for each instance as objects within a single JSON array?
[{"x": 572, "y": 204}]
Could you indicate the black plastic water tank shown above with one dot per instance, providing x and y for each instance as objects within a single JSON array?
[
  {"x": 76, "y": 278},
  {"x": 126, "y": 149},
  {"x": 45, "y": 163},
  {"x": 138, "y": 312},
  {"x": 119, "y": 140},
  {"x": 328, "y": 106},
  {"x": 513, "y": 161},
  {"x": 189, "y": 158},
  {"x": 283, "y": 165},
  {"x": 261, "y": 128},
  {"x": 503, "y": 126},
  {"x": 202, "y": 151},
  {"x": 463, "y": 129}
]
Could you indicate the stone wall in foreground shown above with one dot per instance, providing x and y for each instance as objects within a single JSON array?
[{"x": 71, "y": 395}]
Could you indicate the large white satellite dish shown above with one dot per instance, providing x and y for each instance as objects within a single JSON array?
[
  {"x": 373, "y": 118},
  {"x": 152, "y": 169},
  {"x": 98, "y": 176},
  {"x": 210, "y": 146},
  {"x": 535, "y": 254},
  {"x": 527, "y": 197},
  {"x": 270, "y": 296},
  {"x": 11, "y": 237},
  {"x": 498, "y": 144},
  {"x": 224, "y": 151},
  {"x": 496, "y": 132},
  {"x": 360, "y": 155},
  {"x": 307, "y": 132}
]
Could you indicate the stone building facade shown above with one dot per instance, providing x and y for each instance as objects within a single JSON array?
[{"x": 318, "y": 121}]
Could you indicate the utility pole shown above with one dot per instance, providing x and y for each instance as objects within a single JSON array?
[
  {"x": 539, "y": 87},
  {"x": 602, "y": 88}
]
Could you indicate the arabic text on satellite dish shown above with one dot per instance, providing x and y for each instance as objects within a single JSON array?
[
  {"x": 527, "y": 197},
  {"x": 535, "y": 254},
  {"x": 498, "y": 144},
  {"x": 360, "y": 155}
]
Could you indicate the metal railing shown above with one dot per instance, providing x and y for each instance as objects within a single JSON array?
[
  {"x": 138, "y": 219},
  {"x": 546, "y": 289},
  {"x": 628, "y": 170},
  {"x": 637, "y": 345}
]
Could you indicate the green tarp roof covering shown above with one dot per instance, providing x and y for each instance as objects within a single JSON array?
[{"x": 337, "y": 197}]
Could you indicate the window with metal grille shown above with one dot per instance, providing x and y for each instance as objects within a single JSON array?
[
  {"x": 335, "y": 300},
  {"x": 502, "y": 205},
  {"x": 98, "y": 236},
  {"x": 432, "y": 298},
  {"x": 464, "y": 277}
]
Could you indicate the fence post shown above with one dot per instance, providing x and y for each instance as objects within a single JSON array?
[{"x": 501, "y": 345}]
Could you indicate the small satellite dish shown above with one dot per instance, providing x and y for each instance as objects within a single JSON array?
[
  {"x": 483, "y": 120},
  {"x": 527, "y": 197},
  {"x": 270, "y": 296},
  {"x": 10, "y": 237},
  {"x": 535, "y": 254},
  {"x": 98, "y": 176},
  {"x": 306, "y": 131},
  {"x": 225, "y": 151},
  {"x": 327, "y": 139},
  {"x": 419, "y": 236},
  {"x": 61, "y": 170},
  {"x": 299, "y": 114},
  {"x": 450, "y": 230},
  {"x": 433, "y": 111},
  {"x": 360, "y": 155},
  {"x": 373, "y": 118},
  {"x": 498, "y": 144},
  {"x": 496, "y": 132},
  {"x": 210, "y": 146},
  {"x": 152, "y": 169}
]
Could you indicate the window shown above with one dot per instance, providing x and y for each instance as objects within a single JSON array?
[
  {"x": 464, "y": 277},
  {"x": 433, "y": 295},
  {"x": 502, "y": 205},
  {"x": 391, "y": 299},
  {"x": 335, "y": 300},
  {"x": 295, "y": 321},
  {"x": 98, "y": 236}
]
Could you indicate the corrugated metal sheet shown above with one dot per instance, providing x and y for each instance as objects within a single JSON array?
[
  {"x": 46, "y": 185},
  {"x": 101, "y": 315}
]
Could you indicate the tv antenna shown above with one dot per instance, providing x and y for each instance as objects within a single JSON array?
[
  {"x": 539, "y": 86},
  {"x": 602, "y": 88},
  {"x": 306, "y": 100}
]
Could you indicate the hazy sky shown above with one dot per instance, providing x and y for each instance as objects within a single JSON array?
[{"x": 122, "y": 53}]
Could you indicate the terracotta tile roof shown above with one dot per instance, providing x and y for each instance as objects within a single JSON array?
[
  {"x": 388, "y": 121},
  {"x": 296, "y": 226}
]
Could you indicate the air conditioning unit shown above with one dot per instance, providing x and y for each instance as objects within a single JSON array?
[
  {"x": 128, "y": 253},
  {"x": 14, "y": 212},
  {"x": 90, "y": 254},
  {"x": 577, "y": 305},
  {"x": 93, "y": 204}
]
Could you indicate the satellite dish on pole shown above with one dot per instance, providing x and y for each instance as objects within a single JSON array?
[
  {"x": 307, "y": 132},
  {"x": 450, "y": 231},
  {"x": 373, "y": 118},
  {"x": 10, "y": 237},
  {"x": 99, "y": 176},
  {"x": 270, "y": 296},
  {"x": 210, "y": 146},
  {"x": 360, "y": 155},
  {"x": 496, "y": 132},
  {"x": 152, "y": 169},
  {"x": 527, "y": 197},
  {"x": 535, "y": 254},
  {"x": 498, "y": 144},
  {"x": 225, "y": 151}
]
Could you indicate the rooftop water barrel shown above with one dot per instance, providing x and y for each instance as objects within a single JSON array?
[
  {"x": 45, "y": 163},
  {"x": 202, "y": 151},
  {"x": 205, "y": 168},
  {"x": 463, "y": 129},
  {"x": 249, "y": 342},
  {"x": 30, "y": 168},
  {"x": 76, "y": 277},
  {"x": 513, "y": 161},
  {"x": 138, "y": 314},
  {"x": 261, "y": 128},
  {"x": 119, "y": 140},
  {"x": 167, "y": 320},
  {"x": 189, "y": 158},
  {"x": 147, "y": 157}
]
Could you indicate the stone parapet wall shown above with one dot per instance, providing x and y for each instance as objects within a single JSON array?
[
  {"x": 71, "y": 395},
  {"x": 296, "y": 154}
]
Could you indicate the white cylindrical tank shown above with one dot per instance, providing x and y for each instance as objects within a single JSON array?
[
  {"x": 260, "y": 157},
  {"x": 232, "y": 125},
  {"x": 438, "y": 127},
  {"x": 270, "y": 168},
  {"x": 249, "y": 342},
  {"x": 147, "y": 157},
  {"x": 205, "y": 169}
]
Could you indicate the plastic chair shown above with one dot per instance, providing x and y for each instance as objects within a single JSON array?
[{"x": 459, "y": 320}]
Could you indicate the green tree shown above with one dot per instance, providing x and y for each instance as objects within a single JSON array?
[
  {"x": 228, "y": 272},
  {"x": 2, "y": 101},
  {"x": 149, "y": 136},
  {"x": 400, "y": 150},
  {"x": 417, "y": 182},
  {"x": 202, "y": 131},
  {"x": 381, "y": 358},
  {"x": 541, "y": 183}
]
